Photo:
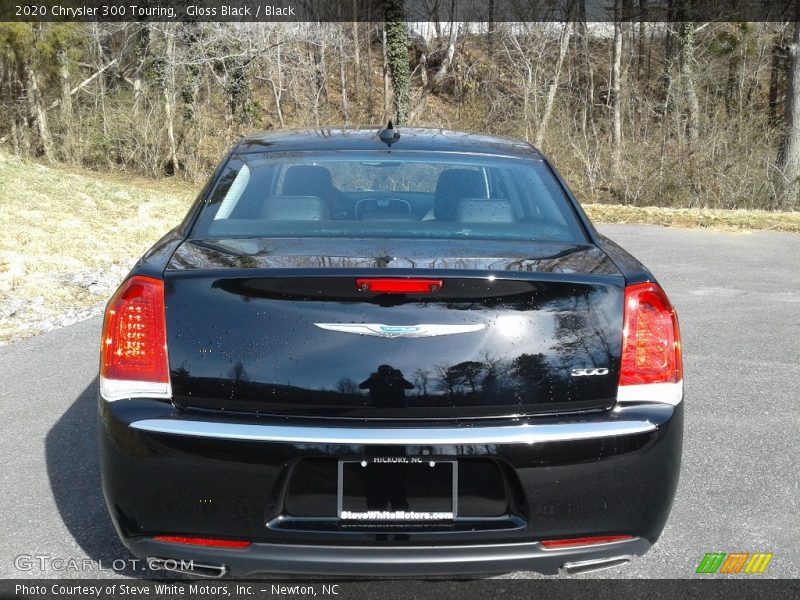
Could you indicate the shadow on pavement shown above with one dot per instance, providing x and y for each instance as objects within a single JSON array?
[{"x": 73, "y": 467}]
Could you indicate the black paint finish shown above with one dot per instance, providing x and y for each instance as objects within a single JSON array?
[
  {"x": 263, "y": 492},
  {"x": 242, "y": 334}
]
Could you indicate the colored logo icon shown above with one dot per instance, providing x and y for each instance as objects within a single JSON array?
[{"x": 735, "y": 562}]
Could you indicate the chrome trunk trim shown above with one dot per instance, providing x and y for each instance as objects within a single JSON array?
[{"x": 400, "y": 436}]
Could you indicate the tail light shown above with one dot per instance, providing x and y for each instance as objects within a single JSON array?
[
  {"x": 651, "y": 367},
  {"x": 195, "y": 541},
  {"x": 398, "y": 286},
  {"x": 584, "y": 541},
  {"x": 133, "y": 355}
]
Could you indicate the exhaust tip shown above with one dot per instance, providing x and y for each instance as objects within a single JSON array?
[
  {"x": 596, "y": 564},
  {"x": 187, "y": 567}
]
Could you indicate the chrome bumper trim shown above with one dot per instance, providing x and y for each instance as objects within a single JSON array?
[
  {"x": 112, "y": 390},
  {"x": 400, "y": 436},
  {"x": 661, "y": 393}
]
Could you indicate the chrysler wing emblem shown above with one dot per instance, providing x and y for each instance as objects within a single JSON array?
[{"x": 396, "y": 331}]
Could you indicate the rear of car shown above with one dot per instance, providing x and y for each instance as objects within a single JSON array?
[{"x": 372, "y": 359}]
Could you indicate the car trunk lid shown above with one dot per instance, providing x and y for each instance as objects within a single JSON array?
[{"x": 284, "y": 328}]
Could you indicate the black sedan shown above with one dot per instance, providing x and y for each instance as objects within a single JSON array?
[{"x": 382, "y": 352}]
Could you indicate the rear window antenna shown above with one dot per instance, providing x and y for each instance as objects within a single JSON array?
[{"x": 389, "y": 135}]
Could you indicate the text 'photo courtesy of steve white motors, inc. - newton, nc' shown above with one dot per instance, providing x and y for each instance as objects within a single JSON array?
[
  {"x": 175, "y": 590},
  {"x": 121, "y": 10}
]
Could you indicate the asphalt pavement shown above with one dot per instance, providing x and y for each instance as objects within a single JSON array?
[{"x": 738, "y": 299}]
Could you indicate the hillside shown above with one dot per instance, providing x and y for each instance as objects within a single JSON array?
[{"x": 68, "y": 237}]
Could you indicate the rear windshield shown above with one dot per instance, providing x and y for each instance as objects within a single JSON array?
[{"x": 388, "y": 195}]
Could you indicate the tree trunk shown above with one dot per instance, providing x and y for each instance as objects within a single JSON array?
[
  {"x": 669, "y": 53},
  {"x": 774, "y": 79},
  {"x": 686, "y": 42},
  {"x": 789, "y": 159},
  {"x": 431, "y": 85},
  {"x": 343, "y": 85},
  {"x": 320, "y": 68},
  {"x": 586, "y": 75},
  {"x": 356, "y": 53},
  {"x": 171, "y": 166},
  {"x": 743, "y": 67},
  {"x": 370, "y": 85},
  {"x": 397, "y": 57},
  {"x": 566, "y": 32},
  {"x": 526, "y": 101},
  {"x": 627, "y": 29},
  {"x": 100, "y": 97},
  {"x": 385, "y": 79},
  {"x": 641, "y": 56},
  {"x": 616, "y": 93},
  {"x": 190, "y": 87},
  {"x": 490, "y": 31},
  {"x": 277, "y": 84},
  {"x": 142, "y": 47},
  {"x": 66, "y": 103},
  {"x": 38, "y": 113},
  {"x": 66, "y": 95},
  {"x": 730, "y": 85}
]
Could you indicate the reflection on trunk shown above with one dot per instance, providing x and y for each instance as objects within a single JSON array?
[{"x": 250, "y": 340}]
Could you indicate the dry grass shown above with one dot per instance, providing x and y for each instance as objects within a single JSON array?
[
  {"x": 695, "y": 217},
  {"x": 69, "y": 235}
]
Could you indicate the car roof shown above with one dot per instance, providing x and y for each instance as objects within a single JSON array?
[{"x": 366, "y": 138}]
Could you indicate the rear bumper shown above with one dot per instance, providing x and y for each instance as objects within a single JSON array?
[
  {"x": 613, "y": 473},
  {"x": 380, "y": 561}
]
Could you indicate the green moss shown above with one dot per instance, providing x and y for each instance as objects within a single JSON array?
[{"x": 397, "y": 57}]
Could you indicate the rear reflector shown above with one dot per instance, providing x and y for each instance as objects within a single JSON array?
[
  {"x": 399, "y": 286},
  {"x": 195, "y": 541},
  {"x": 133, "y": 356},
  {"x": 585, "y": 541},
  {"x": 651, "y": 342}
]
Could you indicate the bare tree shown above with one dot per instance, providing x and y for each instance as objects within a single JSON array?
[
  {"x": 38, "y": 112},
  {"x": 66, "y": 96},
  {"x": 789, "y": 159},
  {"x": 526, "y": 47},
  {"x": 341, "y": 50},
  {"x": 686, "y": 53},
  {"x": 142, "y": 45},
  {"x": 421, "y": 380},
  {"x": 167, "y": 98},
  {"x": 563, "y": 46},
  {"x": 386, "y": 79},
  {"x": 168, "y": 89},
  {"x": 356, "y": 50},
  {"x": 397, "y": 57},
  {"x": 615, "y": 95},
  {"x": 586, "y": 74},
  {"x": 775, "y": 75},
  {"x": 431, "y": 83}
]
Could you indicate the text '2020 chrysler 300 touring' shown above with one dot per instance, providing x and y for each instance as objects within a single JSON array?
[{"x": 385, "y": 352}]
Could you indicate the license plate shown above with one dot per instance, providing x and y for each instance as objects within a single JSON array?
[{"x": 406, "y": 489}]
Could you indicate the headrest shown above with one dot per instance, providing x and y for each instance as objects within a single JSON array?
[
  {"x": 452, "y": 185},
  {"x": 295, "y": 208},
  {"x": 307, "y": 180},
  {"x": 481, "y": 210}
]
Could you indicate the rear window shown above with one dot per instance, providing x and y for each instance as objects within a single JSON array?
[{"x": 390, "y": 194}]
